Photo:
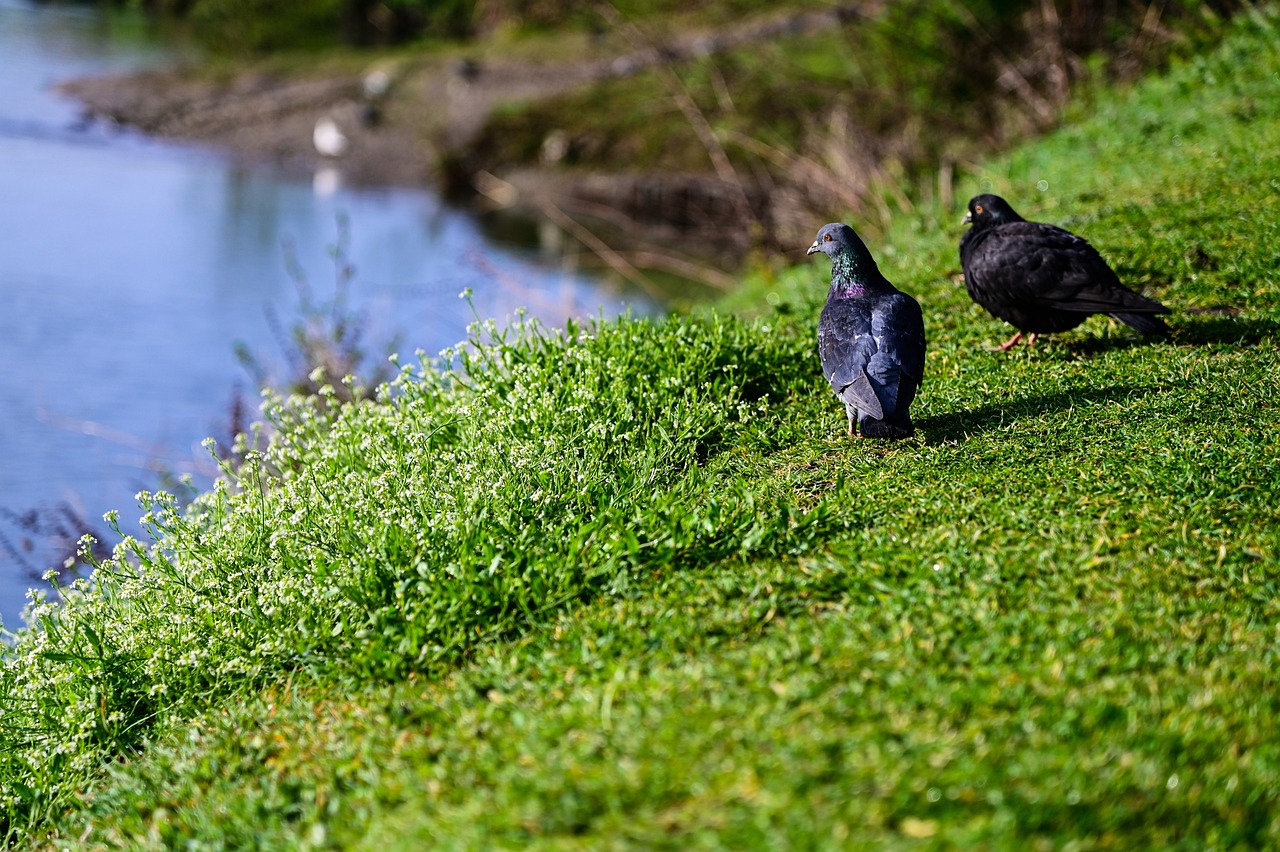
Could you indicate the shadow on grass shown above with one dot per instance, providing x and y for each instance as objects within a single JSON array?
[
  {"x": 1222, "y": 325},
  {"x": 962, "y": 425},
  {"x": 1196, "y": 327}
]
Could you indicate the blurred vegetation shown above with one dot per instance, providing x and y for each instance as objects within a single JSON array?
[
  {"x": 826, "y": 122},
  {"x": 326, "y": 358},
  {"x": 881, "y": 103},
  {"x": 263, "y": 25}
]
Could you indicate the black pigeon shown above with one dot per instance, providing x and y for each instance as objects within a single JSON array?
[
  {"x": 1040, "y": 278},
  {"x": 870, "y": 338}
]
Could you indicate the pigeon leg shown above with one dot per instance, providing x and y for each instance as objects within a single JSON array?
[{"x": 1010, "y": 343}]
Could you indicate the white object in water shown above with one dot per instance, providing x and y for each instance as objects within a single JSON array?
[
  {"x": 326, "y": 181},
  {"x": 329, "y": 138}
]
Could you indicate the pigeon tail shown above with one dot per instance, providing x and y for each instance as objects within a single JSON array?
[
  {"x": 1145, "y": 323},
  {"x": 873, "y": 428}
]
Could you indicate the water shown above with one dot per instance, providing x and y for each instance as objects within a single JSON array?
[{"x": 130, "y": 269}]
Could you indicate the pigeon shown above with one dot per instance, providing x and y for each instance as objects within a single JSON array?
[
  {"x": 1040, "y": 278},
  {"x": 870, "y": 338}
]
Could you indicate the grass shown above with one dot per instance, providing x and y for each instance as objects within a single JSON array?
[{"x": 627, "y": 585}]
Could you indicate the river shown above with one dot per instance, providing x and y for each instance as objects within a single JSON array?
[{"x": 131, "y": 269}]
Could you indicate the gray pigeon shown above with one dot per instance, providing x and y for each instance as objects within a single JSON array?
[
  {"x": 1040, "y": 278},
  {"x": 870, "y": 338}
]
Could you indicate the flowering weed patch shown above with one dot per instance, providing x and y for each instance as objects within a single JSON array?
[{"x": 534, "y": 470}]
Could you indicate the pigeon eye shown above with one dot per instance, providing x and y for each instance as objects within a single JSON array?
[
  {"x": 978, "y": 209},
  {"x": 826, "y": 238}
]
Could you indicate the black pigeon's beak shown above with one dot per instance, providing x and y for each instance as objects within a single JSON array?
[
  {"x": 813, "y": 248},
  {"x": 968, "y": 217}
]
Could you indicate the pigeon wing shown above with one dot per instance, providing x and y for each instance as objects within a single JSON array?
[
  {"x": 863, "y": 395},
  {"x": 1032, "y": 263},
  {"x": 897, "y": 367},
  {"x": 1019, "y": 263},
  {"x": 898, "y": 328},
  {"x": 846, "y": 347}
]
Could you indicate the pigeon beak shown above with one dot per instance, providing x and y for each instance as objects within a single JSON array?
[
  {"x": 968, "y": 217},
  {"x": 813, "y": 248}
]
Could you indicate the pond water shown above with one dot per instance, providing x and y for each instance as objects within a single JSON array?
[{"x": 130, "y": 270}]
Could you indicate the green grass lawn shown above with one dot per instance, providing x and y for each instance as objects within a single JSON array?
[{"x": 631, "y": 586}]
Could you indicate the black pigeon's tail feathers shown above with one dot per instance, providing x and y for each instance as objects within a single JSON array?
[
  {"x": 1103, "y": 294},
  {"x": 1145, "y": 323}
]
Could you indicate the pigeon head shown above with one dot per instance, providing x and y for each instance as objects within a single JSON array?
[
  {"x": 851, "y": 262},
  {"x": 987, "y": 210},
  {"x": 837, "y": 239}
]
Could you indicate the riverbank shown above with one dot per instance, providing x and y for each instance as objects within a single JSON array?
[
  {"x": 664, "y": 134},
  {"x": 629, "y": 584},
  {"x": 405, "y": 117}
]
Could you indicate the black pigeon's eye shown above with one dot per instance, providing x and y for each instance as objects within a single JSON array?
[
  {"x": 826, "y": 238},
  {"x": 978, "y": 209}
]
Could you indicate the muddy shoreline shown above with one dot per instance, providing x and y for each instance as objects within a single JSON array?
[
  {"x": 409, "y": 122},
  {"x": 415, "y": 136},
  {"x": 260, "y": 117}
]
